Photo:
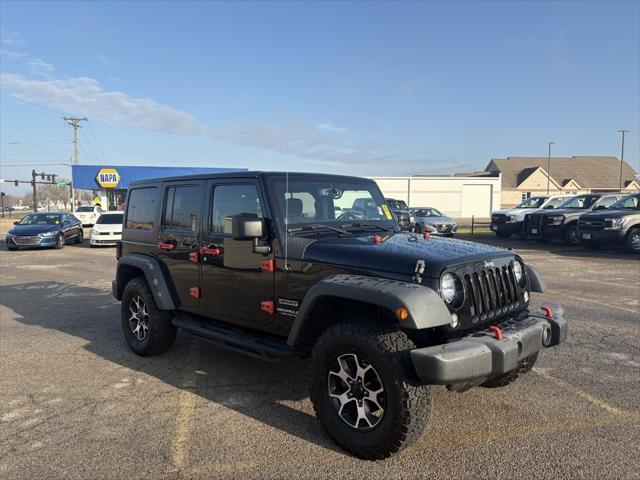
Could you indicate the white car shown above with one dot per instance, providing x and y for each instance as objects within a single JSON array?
[
  {"x": 509, "y": 221},
  {"x": 88, "y": 214},
  {"x": 107, "y": 230}
]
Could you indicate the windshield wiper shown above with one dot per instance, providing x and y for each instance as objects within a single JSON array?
[
  {"x": 312, "y": 227},
  {"x": 365, "y": 224}
]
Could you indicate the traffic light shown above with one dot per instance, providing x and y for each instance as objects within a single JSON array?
[{"x": 15, "y": 182}]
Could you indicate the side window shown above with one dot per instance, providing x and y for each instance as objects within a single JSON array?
[
  {"x": 555, "y": 202},
  {"x": 608, "y": 201},
  {"x": 181, "y": 208},
  {"x": 231, "y": 200},
  {"x": 141, "y": 208},
  {"x": 631, "y": 202}
]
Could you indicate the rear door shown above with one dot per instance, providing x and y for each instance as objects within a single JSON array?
[
  {"x": 235, "y": 282},
  {"x": 179, "y": 239}
]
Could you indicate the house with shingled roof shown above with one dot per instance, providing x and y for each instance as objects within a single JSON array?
[{"x": 524, "y": 177}]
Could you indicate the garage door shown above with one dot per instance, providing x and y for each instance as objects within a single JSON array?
[{"x": 476, "y": 200}]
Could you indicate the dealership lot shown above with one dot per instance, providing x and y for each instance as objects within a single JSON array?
[{"x": 75, "y": 402}]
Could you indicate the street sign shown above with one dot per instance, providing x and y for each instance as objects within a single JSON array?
[
  {"x": 62, "y": 184},
  {"x": 108, "y": 178}
]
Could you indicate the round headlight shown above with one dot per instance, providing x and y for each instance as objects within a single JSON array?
[
  {"x": 518, "y": 271},
  {"x": 448, "y": 287}
]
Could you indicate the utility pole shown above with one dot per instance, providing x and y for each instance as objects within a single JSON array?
[
  {"x": 622, "y": 156},
  {"x": 75, "y": 123},
  {"x": 549, "y": 167}
]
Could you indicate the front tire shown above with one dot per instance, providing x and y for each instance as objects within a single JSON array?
[
  {"x": 148, "y": 331},
  {"x": 570, "y": 236},
  {"x": 633, "y": 240},
  {"x": 59, "y": 241},
  {"x": 364, "y": 389}
]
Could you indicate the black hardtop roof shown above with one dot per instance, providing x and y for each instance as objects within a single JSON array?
[{"x": 244, "y": 175}]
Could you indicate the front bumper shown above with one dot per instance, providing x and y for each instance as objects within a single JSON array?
[
  {"x": 110, "y": 239},
  {"x": 506, "y": 227},
  {"x": 611, "y": 235},
  {"x": 481, "y": 356},
  {"x": 546, "y": 231}
]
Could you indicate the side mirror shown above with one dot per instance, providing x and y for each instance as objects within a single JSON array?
[
  {"x": 549, "y": 207},
  {"x": 246, "y": 227},
  {"x": 16, "y": 222}
]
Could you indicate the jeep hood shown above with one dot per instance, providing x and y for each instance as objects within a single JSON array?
[{"x": 399, "y": 253}]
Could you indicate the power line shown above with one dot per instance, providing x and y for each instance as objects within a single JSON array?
[
  {"x": 56, "y": 112},
  {"x": 97, "y": 143},
  {"x": 29, "y": 142},
  {"x": 24, "y": 154}
]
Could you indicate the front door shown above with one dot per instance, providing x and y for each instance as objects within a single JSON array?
[
  {"x": 178, "y": 238},
  {"x": 235, "y": 281}
]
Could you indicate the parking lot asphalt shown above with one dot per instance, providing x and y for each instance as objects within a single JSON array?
[{"x": 75, "y": 402}]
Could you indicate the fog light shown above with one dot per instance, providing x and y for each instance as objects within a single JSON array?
[
  {"x": 454, "y": 320},
  {"x": 526, "y": 297}
]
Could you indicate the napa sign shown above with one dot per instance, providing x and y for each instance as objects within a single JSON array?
[{"x": 108, "y": 178}]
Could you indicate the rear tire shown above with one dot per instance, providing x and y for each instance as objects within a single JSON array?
[
  {"x": 633, "y": 240},
  {"x": 394, "y": 409},
  {"x": 148, "y": 331}
]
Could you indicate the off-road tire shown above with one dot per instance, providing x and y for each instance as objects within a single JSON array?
[
  {"x": 161, "y": 333},
  {"x": 570, "y": 235},
  {"x": 631, "y": 237},
  {"x": 503, "y": 234},
  {"x": 526, "y": 364},
  {"x": 407, "y": 404},
  {"x": 60, "y": 241}
]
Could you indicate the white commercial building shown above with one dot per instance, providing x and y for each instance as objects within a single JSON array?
[{"x": 458, "y": 197}]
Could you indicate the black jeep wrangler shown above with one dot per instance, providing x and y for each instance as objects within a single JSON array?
[
  {"x": 266, "y": 264},
  {"x": 618, "y": 224},
  {"x": 562, "y": 223}
]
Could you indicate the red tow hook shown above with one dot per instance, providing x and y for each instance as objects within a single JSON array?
[
  {"x": 377, "y": 239},
  {"x": 547, "y": 311},
  {"x": 497, "y": 331},
  {"x": 426, "y": 235}
]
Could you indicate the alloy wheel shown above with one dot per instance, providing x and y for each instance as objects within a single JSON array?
[
  {"x": 139, "y": 318},
  {"x": 635, "y": 241},
  {"x": 356, "y": 392}
]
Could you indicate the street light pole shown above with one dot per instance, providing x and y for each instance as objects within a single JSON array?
[
  {"x": 622, "y": 156},
  {"x": 549, "y": 167}
]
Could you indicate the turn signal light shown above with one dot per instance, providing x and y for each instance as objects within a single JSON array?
[{"x": 402, "y": 313}]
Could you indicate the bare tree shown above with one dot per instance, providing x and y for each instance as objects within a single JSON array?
[{"x": 54, "y": 194}]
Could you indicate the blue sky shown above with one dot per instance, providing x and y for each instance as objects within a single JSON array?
[{"x": 359, "y": 88}]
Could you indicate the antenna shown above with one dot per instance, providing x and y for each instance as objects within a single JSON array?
[{"x": 286, "y": 223}]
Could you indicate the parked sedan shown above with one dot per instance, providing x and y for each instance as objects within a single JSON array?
[
  {"x": 432, "y": 220},
  {"x": 88, "y": 214},
  {"x": 107, "y": 230},
  {"x": 47, "y": 229}
]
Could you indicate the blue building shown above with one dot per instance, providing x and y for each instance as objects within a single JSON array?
[{"x": 109, "y": 183}]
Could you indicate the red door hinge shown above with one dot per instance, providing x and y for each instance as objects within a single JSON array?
[
  {"x": 194, "y": 292},
  {"x": 166, "y": 246},
  {"x": 267, "y": 306},
  {"x": 268, "y": 265},
  {"x": 194, "y": 257},
  {"x": 214, "y": 252}
]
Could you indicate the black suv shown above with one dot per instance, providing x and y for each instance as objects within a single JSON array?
[
  {"x": 562, "y": 222},
  {"x": 265, "y": 263},
  {"x": 618, "y": 224},
  {"x": 405, "y": 219}
]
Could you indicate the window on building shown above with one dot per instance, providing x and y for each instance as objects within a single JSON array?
[
  {"x": 141, "y": 208},
  {"x": 231, "y": 200},
  {"x": 525, "y": 195},
  {"x": 181, "y": 208}
]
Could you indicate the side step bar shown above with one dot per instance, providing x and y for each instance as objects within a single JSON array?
[{"x": 238, "y": 340}]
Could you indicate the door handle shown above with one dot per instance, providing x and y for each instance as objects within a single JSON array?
[
  {"x": 167, "y": 245},
  {"x": 214, "y": 252}
]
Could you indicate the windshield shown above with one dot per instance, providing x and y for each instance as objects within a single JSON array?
[
  {"x": 427, "y": 212},
  {"x": 532, "y": 202},
  {"x": 84, "y": 209},
  {"x": 41, "y": 219},
  {"x": 631, "y": 202},
  {"x": 110, "y": 219},
  {"x": 397, "y": 204},
  {"x": 313, "y": 200},
  {"x": 580, "y": 202}
]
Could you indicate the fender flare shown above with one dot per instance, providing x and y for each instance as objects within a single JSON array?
[
  {"x": 536, "y": 282},
  {"x": 162, "y": 291},
  {"x": 426, "y": 308}
]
